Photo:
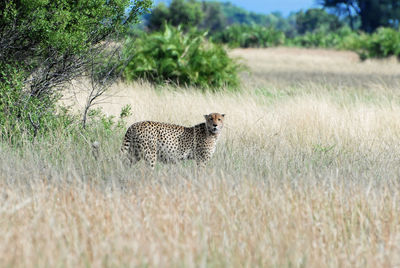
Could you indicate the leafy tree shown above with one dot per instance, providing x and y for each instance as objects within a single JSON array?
[
  {"x": 46, "y": 43},
  {"x": 180, "y": 12},
  {"x": 159, "y": 15},
  {"x": 213, "y": 19},
  {"x": 372, "y": 13},
  {"x": 316, "y": 19}
]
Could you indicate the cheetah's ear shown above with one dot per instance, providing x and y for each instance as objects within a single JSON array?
[
  {"x": 223, "y": 115},
  {"x": 206, "y": 116}
]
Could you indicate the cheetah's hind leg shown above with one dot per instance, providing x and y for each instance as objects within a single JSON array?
[
  {"x": 130, "y": 156},
  {"x": 150, "y": 154}
]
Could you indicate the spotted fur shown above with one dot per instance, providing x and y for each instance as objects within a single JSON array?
[{"x": 169, "y": 143}]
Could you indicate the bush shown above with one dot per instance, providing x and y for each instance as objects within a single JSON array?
[
  {"x": 315, "y": 19},
  {"x": 23, "y": 114},
  {"x": 43, "y": 45},
  {"x": 184, "y": 59},
  {"x": 385, "y": 42},
  {"x": 250, "y": 36},
  {"x": 24, "y": 117},
  {"x": 322, "y": 39}
]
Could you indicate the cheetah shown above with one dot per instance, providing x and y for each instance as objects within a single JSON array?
[{"x": 169, "y": 143}]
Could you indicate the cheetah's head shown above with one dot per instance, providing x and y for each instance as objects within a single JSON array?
[{"x": 214, "y": 122}]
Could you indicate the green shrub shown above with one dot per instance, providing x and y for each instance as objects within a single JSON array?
[
  {"x": 24, "y": 118},
  {"x": 181, "y": 58},
  {"x": 45, "y": 44},
  {"x": 240, "y": 35},
  {"x": 385, "y": 42},
  {"x": 322, "y": 39},
  {"x": 23, "y": 114}
]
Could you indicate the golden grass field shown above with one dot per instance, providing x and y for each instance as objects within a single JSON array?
[{"x": 306, "y": 174}]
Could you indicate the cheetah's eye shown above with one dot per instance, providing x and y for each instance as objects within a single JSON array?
[{"x": 219, "y": 119}]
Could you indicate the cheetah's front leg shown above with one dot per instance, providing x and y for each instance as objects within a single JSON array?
[
  {"x": 202, "y": 159},
  {"x": 201, "y": 164}
]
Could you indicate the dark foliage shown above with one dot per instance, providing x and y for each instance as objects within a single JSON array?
[
  {"x": 45, "y": 44},
  {"x": 372, "y": 13}
]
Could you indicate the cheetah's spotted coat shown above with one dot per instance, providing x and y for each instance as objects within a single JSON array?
[{"x": 169, "y": 143}]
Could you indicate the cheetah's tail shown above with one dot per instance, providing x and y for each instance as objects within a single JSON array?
[
  {"x": 95, "y": 149},
  {"x": 96, "y": 153}
]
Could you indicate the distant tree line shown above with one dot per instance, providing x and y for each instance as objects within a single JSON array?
[
  {"x": 369, "y": 27},
  {"x": 212, "y": 16},
  {"x": 364, "y": 15}
]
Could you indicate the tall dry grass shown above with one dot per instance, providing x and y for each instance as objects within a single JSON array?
[{"x": 306, "y": 174}]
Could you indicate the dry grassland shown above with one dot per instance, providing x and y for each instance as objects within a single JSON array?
[{"x": 306, "y": 174}]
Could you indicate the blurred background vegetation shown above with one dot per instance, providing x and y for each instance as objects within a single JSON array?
[
  {"x": 354, "y": 25},
  {"x": 44, "y": 45}
]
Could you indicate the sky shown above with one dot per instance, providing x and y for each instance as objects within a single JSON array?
[{"x": 268, "y": 6}]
